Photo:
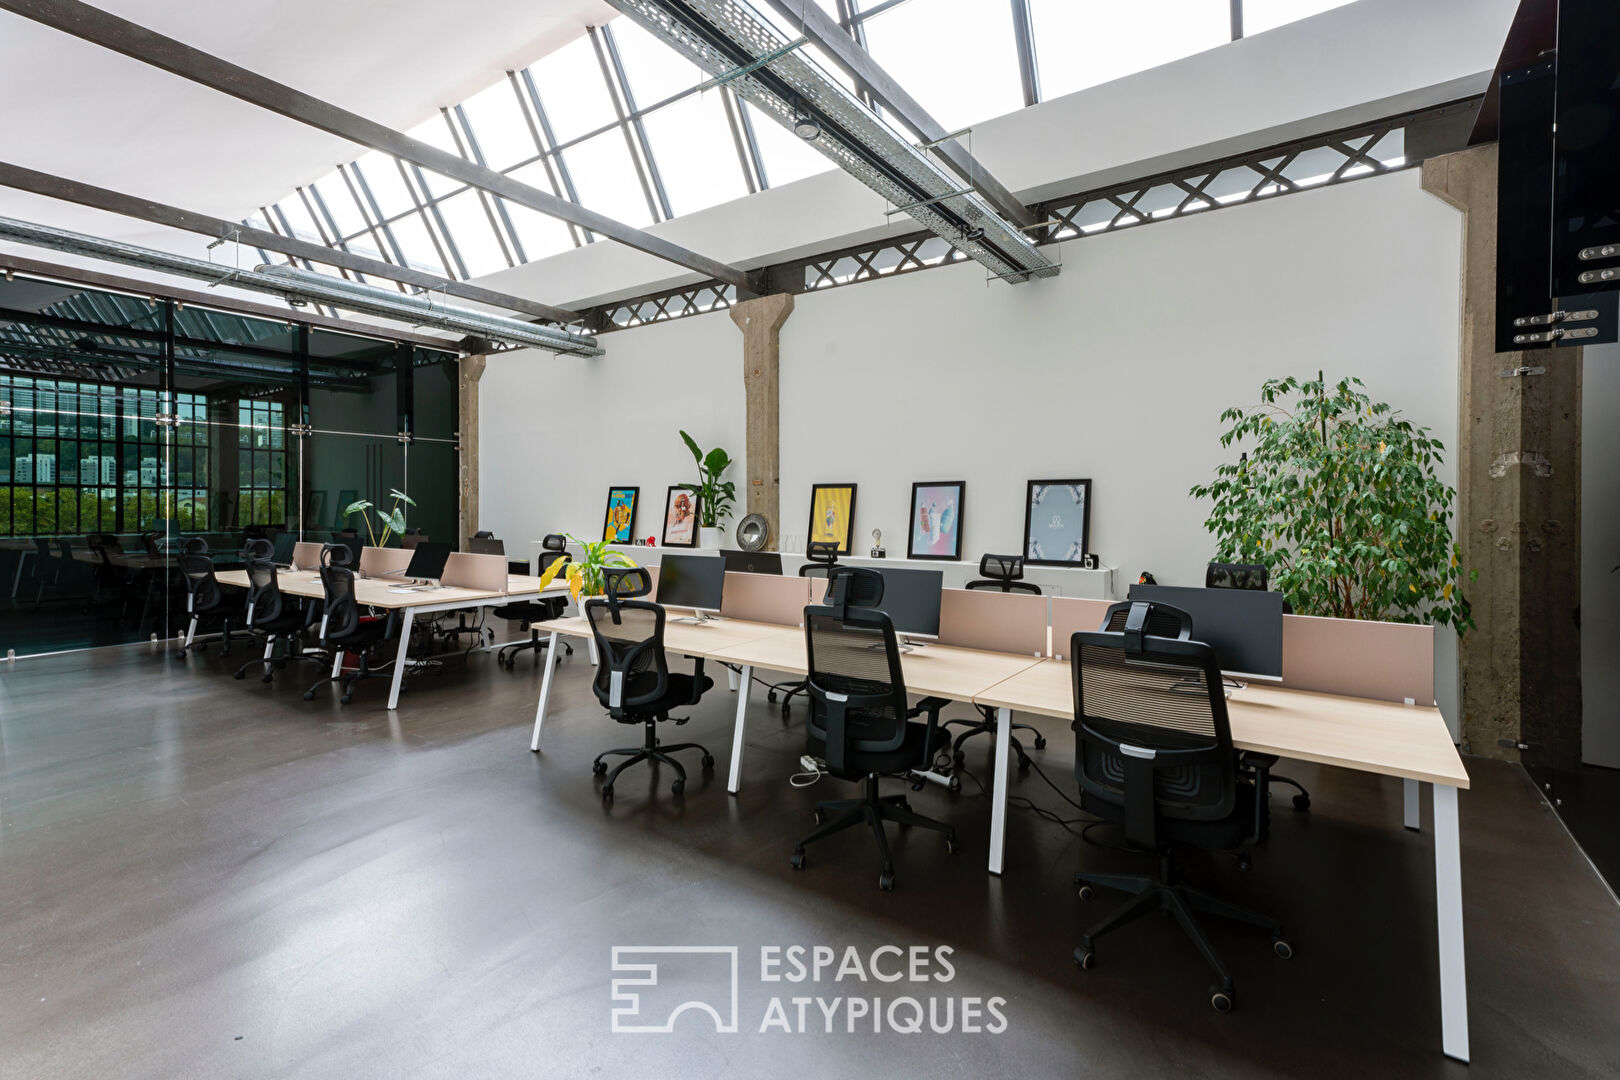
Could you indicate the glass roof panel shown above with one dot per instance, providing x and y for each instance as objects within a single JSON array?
[
  {"x": 436, "y": 133},
  {"x": 539, "y": 234},
  {"x": 292, "y": 208},
  {"x": 469, "y": 227},
  {"x": 1081, "y": 43},
  {"x": 956, "y": 57},
  {"x": 653, "y": 69},
  {"x": 381, "y": 174},
  {"x": 411, "y": 233},
  {"x": 606, "y": 178},
  {"x": 340, "y": 204},
  {"x": 696, "y": 154},
  {"x": 571, "y": 88},
  {"x": 1262, "y": 15},
  {"x": 786, "y": 156},
  {"x": 497, "y": 123}
]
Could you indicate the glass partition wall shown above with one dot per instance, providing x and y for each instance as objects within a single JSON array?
[{"x": 129, "y": 426}]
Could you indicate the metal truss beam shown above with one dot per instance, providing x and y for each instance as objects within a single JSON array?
[{"x": 149, "y": 47}]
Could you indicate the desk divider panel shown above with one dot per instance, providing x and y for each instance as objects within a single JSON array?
[
  {"x": 306, "y": 555},
  {"x": 375, "y": 561},
  {"x": 995, "y": 621},
  {"x": 487, "y": 573},
  {"x": 1071, "y": 613},
  {"x": 1358, "y": 658},
  {"x": 769, "y": 598}
]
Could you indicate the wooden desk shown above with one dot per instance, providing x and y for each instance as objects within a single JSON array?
[
  {"x": 389, "y": 596},
  {"x": 1407, "y": 741}
]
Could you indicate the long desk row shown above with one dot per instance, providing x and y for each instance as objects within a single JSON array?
[{"x": 1386, "y": 738}]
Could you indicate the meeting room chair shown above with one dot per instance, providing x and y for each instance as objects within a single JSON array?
[
  {"x": 205, "y": 599},
  {"x": 1002, "y": 573},
  {"x": 51, "y": 563},
  {"x": 821, "y": 560},
  {"x": 860, "y": 722},
  {"x": 272, "y": 615},
  {"x": 529, "y": 613},
  {"x": 633, "y": 680},
  {"x": 343, "y": 629},
  {"x": 1154, "y": 753}
]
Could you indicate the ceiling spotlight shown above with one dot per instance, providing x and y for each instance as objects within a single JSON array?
[{"x": 805, "y": 126}]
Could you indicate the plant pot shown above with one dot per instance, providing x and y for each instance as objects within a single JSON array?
[{"x": 711, "y": 538}]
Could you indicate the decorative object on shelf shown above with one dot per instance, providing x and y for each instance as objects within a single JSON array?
[
  {"x": 392, "y": 522},
  {"x": 832, "y": 515},
  {"x": 680, "y": 517},
  {"x": 652, "y": 541},
  {"x": 877, "y": 545},
  {"x": 619, "y": 525},
  {"x": 1089, "y": 561},
  {"x": 752, "y": 532},
  {"x": 1057, "y": 522},
  {"x": 585, "y": 572},
  {"x": 1146, "y": 578},
  {"x": 936, "y": 520},
  {"x": 1338, "y": 495},
  {"x": 715, "y": 495}
]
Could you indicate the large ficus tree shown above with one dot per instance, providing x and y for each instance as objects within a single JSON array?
[{"x": 1337, "y": 495}]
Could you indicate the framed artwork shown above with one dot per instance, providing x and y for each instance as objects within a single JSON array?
[
  {"x": 619, "y": 525},
  {"x": 832, "y": 515},
  {"x": 680, "y": 518},
  {"x": 936, "y": 520},
  {"x": 1057, "y": 522}
]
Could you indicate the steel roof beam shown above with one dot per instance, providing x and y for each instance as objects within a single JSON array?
[{"x": 139, "y": 43}]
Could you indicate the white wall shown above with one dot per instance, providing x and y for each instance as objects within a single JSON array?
[{"x": 1600, "y": 554}]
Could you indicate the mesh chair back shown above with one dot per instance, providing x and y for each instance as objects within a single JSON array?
[
  {"x": 554, "y": 542},
  {"x": 336, "y": 555},
  {"x": 1153, "y": 736},
  {"x": 202, "y": 588},
  {"x": 264, "y": 593},
  {"x": 854, "y": 586},
  {"x": 341, "y": 613},
  {"x": 856, "y": 689},
  {"x": 257, "y": 548},
  {"x": 194, "y": 545},
  {"x": 1003, "y": 572},
  {"x": 822, "y": 556},
  {"x": 1162, "y": 620},
  {"x": 632, "y": 670}
]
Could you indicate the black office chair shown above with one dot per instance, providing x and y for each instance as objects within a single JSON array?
[
  {"x": 51, "y": 563},
  {"x": 1002, "y": 573},
  {"x": 529, "y": 613},
  {"x": 821, "y": 560},
  {"x": 342, "y": 630},
  {"x": 1154, "y": 753},
  {"x": 633, "y": 679},
  {"x": 1255, "y": 576},
  {"x": 205, "y": 599},
  {"x": 272, "y": 615},
  {"x": 859, "y": 717}
]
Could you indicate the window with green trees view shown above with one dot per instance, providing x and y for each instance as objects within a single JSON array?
[{"x": 262, "y": 464}]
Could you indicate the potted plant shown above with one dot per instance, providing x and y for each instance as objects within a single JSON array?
[
  {"x": 585, "y": 573},
  {"x": 392, "y": 522},
  {"x": 715, "y": 496},
  {"x": 1337, "y": 495}
]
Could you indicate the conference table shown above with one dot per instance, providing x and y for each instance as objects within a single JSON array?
[
  {"x": 406, "y": 602},
  {"x": 1409, "y": 742}
]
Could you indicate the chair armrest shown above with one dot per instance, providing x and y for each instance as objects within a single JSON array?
[
  {"x": 931, "y": 706},
  {"x": 697, "y": 681}
]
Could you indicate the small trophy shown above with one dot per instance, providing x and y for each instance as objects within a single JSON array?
[{"x": 877, "y": 544}]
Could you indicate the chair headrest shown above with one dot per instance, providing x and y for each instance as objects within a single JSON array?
[
  {"x": 822, "y": 551},
  {"x": 1002, "y": 567},
  {"x": 258, "y": 548},
  {"x": 854, "y": 587},
  {"x": 195, "y": 545},
  {"x": 1139, "y": 619},
  {"x": 554, "y": 542},
  {"x": 336, "y": 555}
]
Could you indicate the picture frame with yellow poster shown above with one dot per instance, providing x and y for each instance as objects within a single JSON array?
[
  {"x": 619, "y": 524},
  {"x": 832, "y": 515}
]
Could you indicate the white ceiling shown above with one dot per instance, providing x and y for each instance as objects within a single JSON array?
[{"x": 76, "y": 110}]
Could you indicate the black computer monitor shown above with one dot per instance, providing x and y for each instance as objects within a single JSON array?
[
  {"x": 485, "y": 545},
  {"x": 691, "y": 581},
  {"x": 753, "y": 562},
  {"x": 1243, "y": 626},
  {"x": 911, "y": 600},
  {"x": 427, "y": 561},
  {"x": 284, "y": 543}
]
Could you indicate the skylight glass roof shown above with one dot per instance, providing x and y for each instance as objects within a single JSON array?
[{"x": 615, "y": 120}]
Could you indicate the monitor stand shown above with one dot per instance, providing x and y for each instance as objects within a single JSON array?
[
  {"x": 697, "y": 618},
  {"x": 906, "y": 644}
]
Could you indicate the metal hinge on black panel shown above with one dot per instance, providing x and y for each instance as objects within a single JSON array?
[
  {"x": 300, "y": 431},
  {"x": 165, "y": 420},
  {"x": 406, "y": 438}
]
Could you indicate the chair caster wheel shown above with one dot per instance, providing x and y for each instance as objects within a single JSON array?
[
  {"x": 1084, "y": 959},
  {"x": 345, "y": 699},
  {"x": 955, "y": 786},
  {"x": 787, "y": 711},
  {"x": 1243, "y": 863},
  {"x": 917, "y": 785},
  {"x": 181, "y": 655},
  {"x": 1302, "y": 802},
  {"x": 1220, "y": 1000},
  {"x": 886, "y": 881},
  {"x": 1040, "y": 742},
  {"x": 241, "y": 675},
  {"x": 770, "y": 696},
  {"x": 1087, "y": 892},
  {"x": 677, "y": 787},
  {"x": 309, "y": 695},
  {"x": 798, "y": 858},
  {"x": 599, "y": 768},
  {"x": 959, "y": 757},
  {"x": 950, "y": 844},
  {"x": 1281, "y": 947},
  {"x": 708, "y": 761},
  {"x": 607, "y": 793},
  {"x": 267, "y": 678},
  {"x": 1023, "y": 764}
]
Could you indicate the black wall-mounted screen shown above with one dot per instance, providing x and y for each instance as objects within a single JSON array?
[
  {"x": 1586, "y": 173},
  {"x": 1524, "y": 200}
]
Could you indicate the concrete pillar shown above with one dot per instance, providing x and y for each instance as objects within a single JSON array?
[
  {"x": 472, "y": 369},
  {"x": 1518, "y": 520},
  {"x": 761, "y": 323}
]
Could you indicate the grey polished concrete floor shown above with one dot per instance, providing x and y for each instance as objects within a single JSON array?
[{"x": 208, "y": 878}]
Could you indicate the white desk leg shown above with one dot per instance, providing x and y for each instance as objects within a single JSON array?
[
  {"x": 590, "y": 644},
  {"x": 407, "y": 620},
  {"x": 746, "y": 679},
  {"x": 1412, "y": 803},
  {"x": 548, "y": 666},
  {"x": 1449, "y": 920},
  {"x": 731, "y": 679},
  {"x": 998, "y": 803}
]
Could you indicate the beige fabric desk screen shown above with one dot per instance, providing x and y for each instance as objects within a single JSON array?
[
  {"x": 767, "y": 598},
  {"x": 996, "y": 621},
  {"x": 486, "y": 573},
  {"x": 1071, "y": 613},
  {"x": 1356, "y": 658},
  {"x": 306, "y": 555},
  {"x": 376, "y": 561}
]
